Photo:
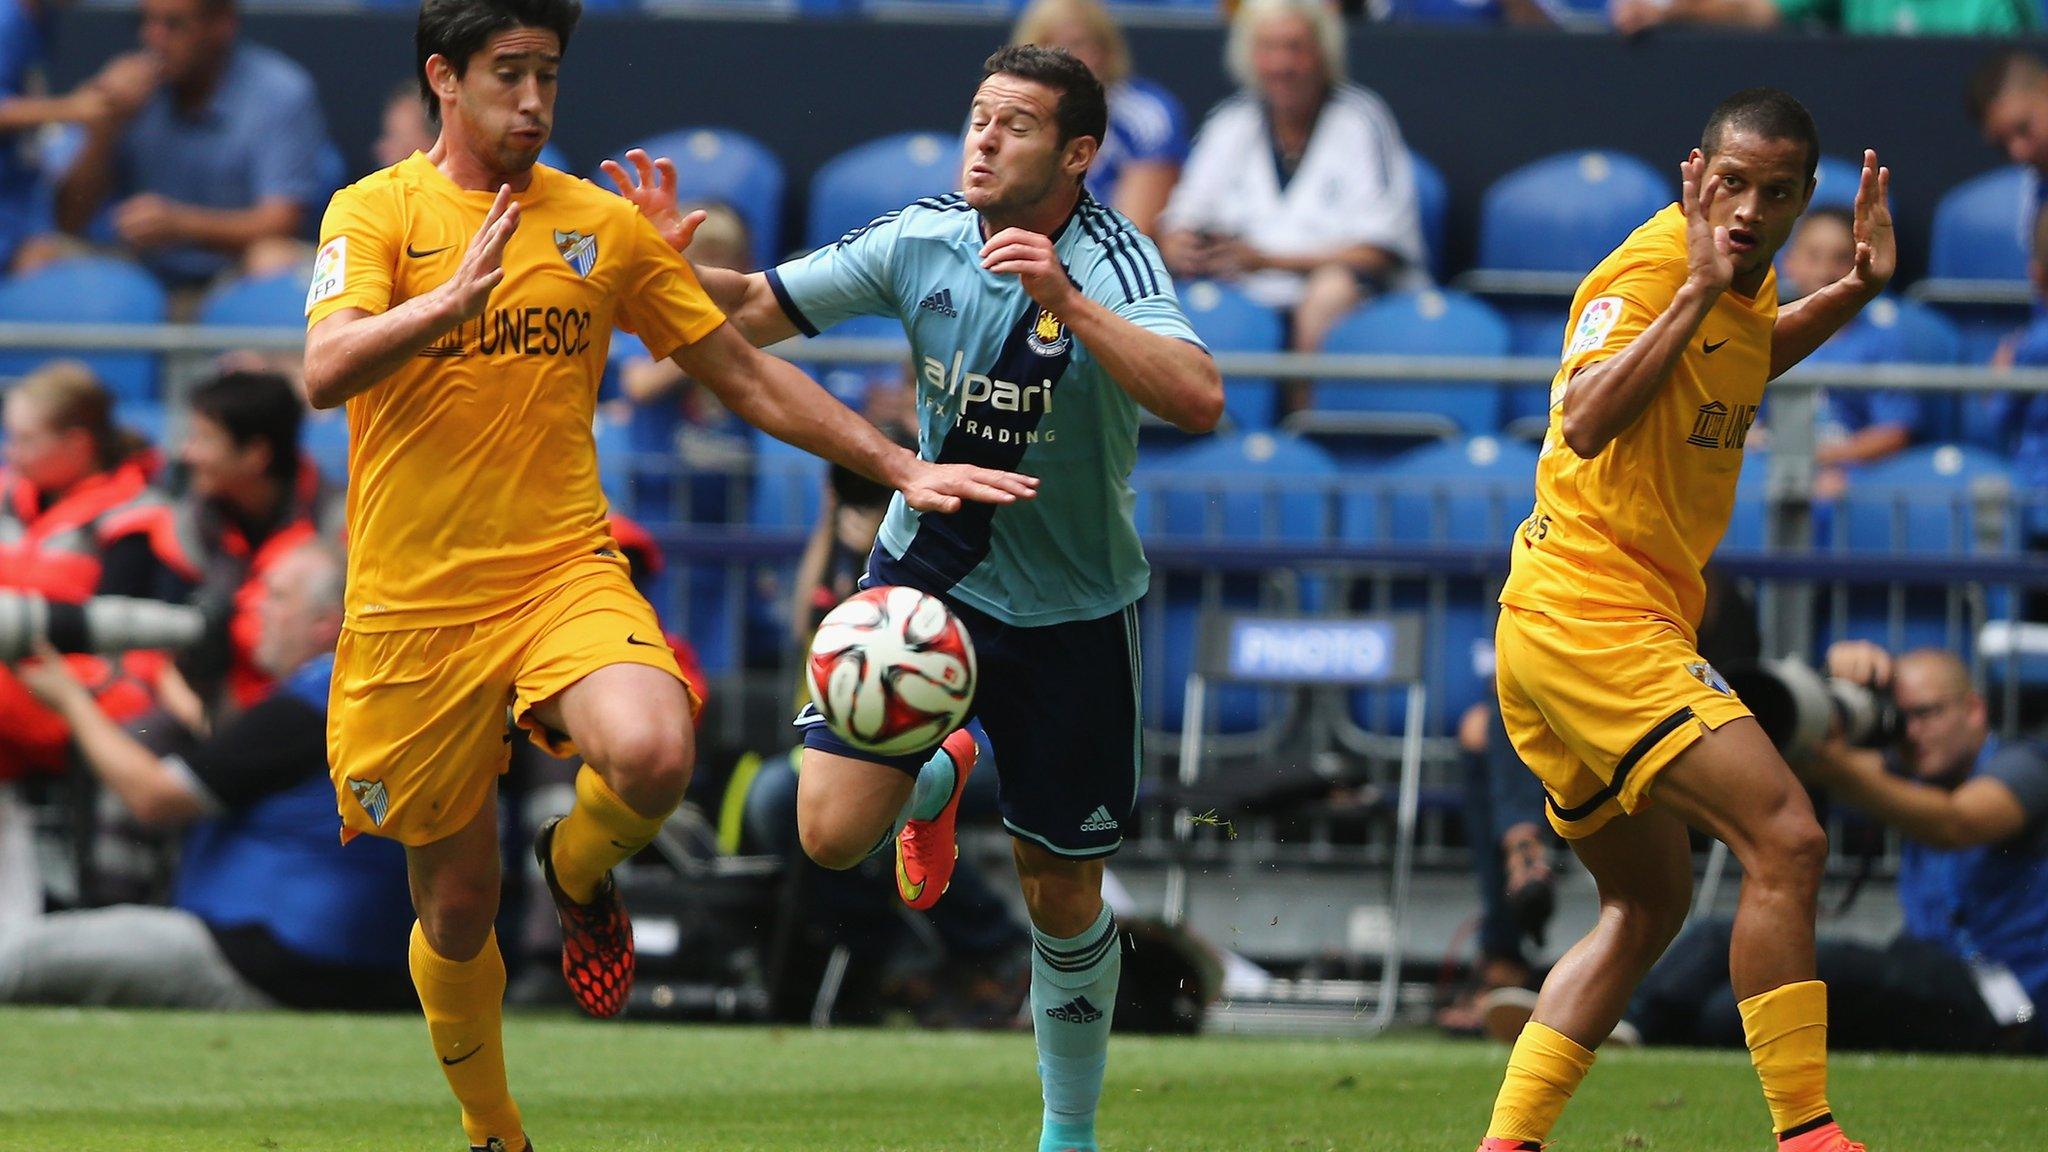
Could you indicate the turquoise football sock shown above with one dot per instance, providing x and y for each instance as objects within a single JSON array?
[
  {"x": 927, "y": 798},
  {"x": 1073, "y": 994}
]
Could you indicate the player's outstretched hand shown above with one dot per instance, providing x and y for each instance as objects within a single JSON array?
[
  {"x": 1029, "y": 257},
  {"x": 483, "y": 264},
  {"x": 1877, "y": 251},
  {"x": 651, "y": 186},
  {"x": 942, "y": 487},
  {"x": 1709, "y": 263}
]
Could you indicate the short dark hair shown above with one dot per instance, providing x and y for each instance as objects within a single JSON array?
[
  {"x": 1083, "y": 109},
  {"x": 253, "y": 407},
  {"x": 1768, "y": 112},
  {"x": 1999, "y": 71},
  {"x": 457, "y": 30}
]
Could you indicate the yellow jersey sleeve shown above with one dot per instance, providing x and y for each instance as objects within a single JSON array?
[
  {"x": 359, "y": 239},
  {"x": 662, "y": 302},
  {"x": 1639, "y": 292}
]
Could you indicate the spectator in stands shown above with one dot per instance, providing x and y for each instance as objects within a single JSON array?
[
  {"x": 269, "y": 908},
  {"x": 213, "y": 153},
  {"x": 404, "y": 129},
  {"x": 2020, "y": 419},
  {"x": 1139, "y": 161},
  {"x": 250, "y": 499},
  {"x": 77, "y": 519},
  {"x": 1970, "y": 969},
  {"x": 1298, "y": 188},
  {"x": 1853, "y": 426},
  {"x": 2008, "y": 101},
  {"x": 1856, "y": 17},
  {"x": 25, "y": 107}
]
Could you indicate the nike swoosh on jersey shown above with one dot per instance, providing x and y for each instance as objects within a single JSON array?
[
  {"x": 1712, "y": 346},
  {"x": 417, "y": 254},
  {"x": 632, "y": 639}
]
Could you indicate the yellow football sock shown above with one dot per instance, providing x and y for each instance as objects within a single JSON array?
[
  {"x": 1787, "y": 1030},
  {"x": 599, "y": 832},
  {"x": 1543, "y": 1072},
  {"x": 464, "y": 1002}
]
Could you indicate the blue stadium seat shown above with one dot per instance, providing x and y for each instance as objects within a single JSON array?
[
  {"x": 789, "y": 485},
  {"x": 1566, "y": 212},
  {"x": 324, "y": 440},
  {"x": 1229, "y": 321},
  {"x": 728, "y": 166},
  {"x": 1426, "y": 323},
  {"x": 1230, "y": 488},
  {"x": 1748, "y": 529},
  {"x": 1481, "y": 12},
  {"x": 1943, "y": 499},
  {"x": 1433, "y": 202},
  {"x": 1979, "y": 230},
  {"x": 880, "y": 176},
  {"x": 852, "y": 382},
  {"x": 1535, "y": 328},
  {"x": 1835, "y": 181},
  {"x": 147, "y": 419},
  {"x": 272, "y": 302},
  {"x": 87, "y": 290}
]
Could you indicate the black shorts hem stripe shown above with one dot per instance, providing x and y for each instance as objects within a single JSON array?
[{"x": 1636, "y": 752}]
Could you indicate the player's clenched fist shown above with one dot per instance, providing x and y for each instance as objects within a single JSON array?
[
  {"x": 483, "y": 264},
  {"x": 1029, "y": 257}
]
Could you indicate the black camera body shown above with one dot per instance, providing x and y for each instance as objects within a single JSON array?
[
  {"x": 103, "y": 624},
  {"x": 1797, "y": 707}
]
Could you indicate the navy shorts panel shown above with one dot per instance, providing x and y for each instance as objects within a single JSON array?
[{"x": 1059, "y": 704}]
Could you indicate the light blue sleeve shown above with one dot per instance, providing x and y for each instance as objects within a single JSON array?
[
  {"x": 855, "y": 275},
  {"x": 1131, "y": 280}
]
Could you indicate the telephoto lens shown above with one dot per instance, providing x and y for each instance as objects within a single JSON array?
[
  {"x": 101, "y": 625},
  {"x": 1797, "y": 707}
]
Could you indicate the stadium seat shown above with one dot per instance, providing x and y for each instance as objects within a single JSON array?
[
  {"x": 1480, "y": 12},
  {"x": 87, "y": 290},
  {"x": 1232, "y": 488},
  {"x": 852, "y": 382},
  {"x": 1566, "y": 212},
  {"x": 324, "y": 440},
  {"x": 1426, "y": 323},
  {"x": 1835, "y": 181},
  {"x": 1748, "y": 527},
  {"x": 1979, "y": 230},
  {"x": 1229, "y": 321},
  {"x": 272, "y": 302},
  {"x": 1535, "y": 328},
  {"x": 1433, "y": 202},
  {"x": 727, "y": 166},
  {"x": 880, "y": 176},
  {"x": 1944, "y": 499}
]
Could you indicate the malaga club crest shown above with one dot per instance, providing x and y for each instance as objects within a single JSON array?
[
  {"x": 1048, "y": 336},
  {"x": 372, "y": 796},
  {"x": 1705, "y": 674},
  {"x": 578, "y": 249}
]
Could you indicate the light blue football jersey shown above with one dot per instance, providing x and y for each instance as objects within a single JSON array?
[{"x": 1002, "y": 383}]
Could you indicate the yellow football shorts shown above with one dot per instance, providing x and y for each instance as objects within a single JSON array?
[
  {"x": 1597, "y": 708},
  {"x": 420, "y": 721}
]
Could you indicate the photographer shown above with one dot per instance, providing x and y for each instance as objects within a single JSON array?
[
  {"x": 269, "y": 909},
  {"x": 1969, "y": 970}
]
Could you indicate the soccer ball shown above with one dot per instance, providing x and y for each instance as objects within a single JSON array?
[{"x": 891, "y": 670}]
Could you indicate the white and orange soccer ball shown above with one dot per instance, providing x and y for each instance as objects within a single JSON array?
[{"x": 892, "y": 670}]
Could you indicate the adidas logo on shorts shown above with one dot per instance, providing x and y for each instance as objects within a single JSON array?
[
  {"x": 1075, "y": 1011},
  {"x": 1099, "y": 820},
  {"x": 940, "y": 301}
]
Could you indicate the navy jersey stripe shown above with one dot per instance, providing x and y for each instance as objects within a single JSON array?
[
  {"x": 1117, "y": 238},
  {"x": 789, "y": 308},
  {"x": 1109, "y": 253}
]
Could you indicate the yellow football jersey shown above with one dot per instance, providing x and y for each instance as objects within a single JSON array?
[
  {"x": 472, "y": 470},
  {"x": 1628, "y": 532}
]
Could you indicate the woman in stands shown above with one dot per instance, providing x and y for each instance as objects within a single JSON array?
[
  {"x": 1140, "y": 159},
  {"x": 77, "y": 519}
]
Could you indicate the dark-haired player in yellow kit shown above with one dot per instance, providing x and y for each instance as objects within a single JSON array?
[
  {"x": 461, "y": 306},
  {"x": 1605, "y": 695}
]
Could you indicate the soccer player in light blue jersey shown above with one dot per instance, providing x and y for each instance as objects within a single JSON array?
[{"x": 1039, "y": 323}]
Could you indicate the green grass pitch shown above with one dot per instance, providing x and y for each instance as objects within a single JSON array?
[{"x": 85, "y": 1081}]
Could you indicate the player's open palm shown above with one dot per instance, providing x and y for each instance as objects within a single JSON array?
[
  {"x": 483, "y": 264},
  {"x": 651, "y": 186},
  {"x": 942, "y": 487},
  {"x": 1709, "y": 261},
  {"x": 1877, "y": 250}
]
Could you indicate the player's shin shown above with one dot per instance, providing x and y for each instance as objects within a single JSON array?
[
  {"x": 1787, "y": 1031},
  {"x": 1073, "y": 994},
  {"x": 1543, "y": 1072},
  {"x": 598, "y": 833},
  {"x": 464, "y": 1005}
]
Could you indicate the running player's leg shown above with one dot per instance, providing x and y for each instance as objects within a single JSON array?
[
  {"x": 460, "y": 974},
  {"x": 847, "y": 808},
  {"x": 1076, "y": 962},
  {"x": 1733, "y": 785},
  {"x": 1642, "y": 865}
]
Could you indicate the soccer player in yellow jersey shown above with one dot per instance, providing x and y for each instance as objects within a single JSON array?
[
  {"x": 461, "y": 305},
  {"x": 1671, "y": 341}
]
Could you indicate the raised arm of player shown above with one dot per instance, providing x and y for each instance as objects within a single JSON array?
[
  {"x": 745, "y": 297},
  {"x": 1806, "y": 323},
  {"x": 775, "y": 396},
  {"x": 1604, "y": 399},
  {"x": 350, "y": 351},
  {"x": 1173, "y": 379}
]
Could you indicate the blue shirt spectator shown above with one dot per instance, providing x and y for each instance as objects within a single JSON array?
[
  {"x": 2017, "y": 424},
  {"x": 1139, "y": 163},
  {"x": 220, "y": 163},
  {"x": 21, "y": 57}
]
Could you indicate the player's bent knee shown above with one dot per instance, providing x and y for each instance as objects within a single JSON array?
[
  {"x": 456, "y": 917},
  {"x": 1062, "y": 900},
  {"x": 648, "y": 764},
  {"x": 833, "y": 848},
  {"x": 1794, "y": 850}
]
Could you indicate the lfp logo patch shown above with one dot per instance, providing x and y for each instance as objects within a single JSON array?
[
  {"x": 1594, "y": 324},
  {"x": 578, "y": 249},
  {"x": 330, "y": 269}
]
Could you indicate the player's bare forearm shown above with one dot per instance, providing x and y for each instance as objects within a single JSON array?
[
  {"x": 749, "y": 303},
  {"x": 349, "y": 352},
  {"x": 1172, "y": 379},
  {"x": 778, "y": 398},
  {"x": 1606, "y": 399},
  {"x": 1806, "y": 323},
  {"x": 1981, "y": 811},
  {"x": 1865, "y": 445},
  {"x": 128, "y": 769}
]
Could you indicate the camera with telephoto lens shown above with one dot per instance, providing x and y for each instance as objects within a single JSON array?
[
  {"x": 101, "y": 625},
  {"x": 1798, "y": 707}
]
